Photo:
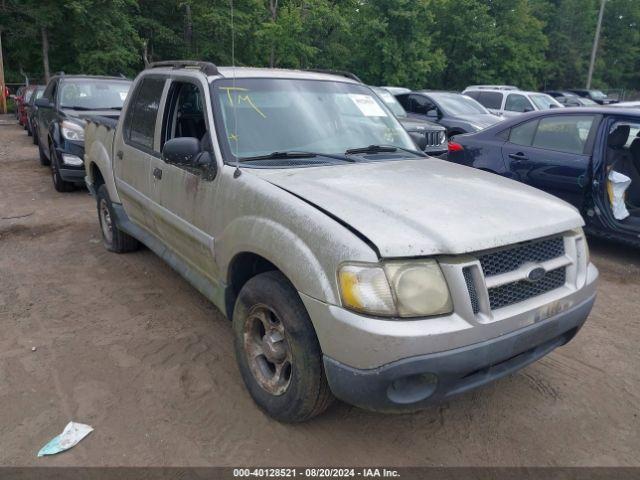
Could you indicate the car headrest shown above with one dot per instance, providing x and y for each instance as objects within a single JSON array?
[{"x": 619, "y": 136}]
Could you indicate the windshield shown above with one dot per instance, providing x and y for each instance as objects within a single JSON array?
[
  {"x": 586, "y": 101},
  {"x": 261, "y": 116},
  {"x": 93, "y": 94},
  {"x": 457, "y": 104},
  {"x": 544, "y": 102},
  {"x": 391, "y": 102}
]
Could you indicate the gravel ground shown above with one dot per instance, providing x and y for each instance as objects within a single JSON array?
[{"x": 123, "y": 343}]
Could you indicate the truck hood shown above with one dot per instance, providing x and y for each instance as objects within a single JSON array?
[
  {"x": 416, "y": 124},
  {"x": 422, "y": 207}
]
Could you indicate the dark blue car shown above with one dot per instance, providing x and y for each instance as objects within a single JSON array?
[{"x": 570, "y": 153}]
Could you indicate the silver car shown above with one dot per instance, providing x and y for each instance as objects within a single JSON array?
[{"x": 351, "y": 265}]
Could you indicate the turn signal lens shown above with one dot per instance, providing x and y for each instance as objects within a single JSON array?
[{"x": 365, "y": 289}]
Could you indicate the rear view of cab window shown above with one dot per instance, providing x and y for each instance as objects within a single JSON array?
[{"x": 141, "y": 120}]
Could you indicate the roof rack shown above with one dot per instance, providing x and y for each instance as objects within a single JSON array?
[
  {"x": 492, "y": 87},
  {"x": 340, "y": 73},
  {"x": 207, "y": 68}
]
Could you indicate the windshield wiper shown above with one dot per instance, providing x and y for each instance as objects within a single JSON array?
[
  {"x": 76, "y": 107},
  {"x": 381, "y": 149},
  {"x": 293, "y": 154}
]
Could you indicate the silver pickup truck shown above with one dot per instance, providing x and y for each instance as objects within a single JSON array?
[{"x": 351, "y": 264}]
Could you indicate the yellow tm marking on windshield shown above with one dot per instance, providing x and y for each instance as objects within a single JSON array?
[
  {"x": 241, "y": 98},
  {"x": 233, "y": 137}
]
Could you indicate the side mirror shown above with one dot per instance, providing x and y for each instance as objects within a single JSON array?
[
  {"x": 181, "y": 150},
  {"x": 43, "y": 102},
  {"x": 187, "y": 151},
  {"x": 553, "y": 105},
  {"x": 419, "y": 139},
  {"x": 527, "y": 109}
]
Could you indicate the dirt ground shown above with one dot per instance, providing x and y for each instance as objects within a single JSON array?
[{"x": 124, "y": 344}]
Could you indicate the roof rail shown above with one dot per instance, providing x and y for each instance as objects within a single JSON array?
[
  {"x": 492, "y": 87},
  {"x": 340, "y": 73},
  {"x": 207, "y": 68}
]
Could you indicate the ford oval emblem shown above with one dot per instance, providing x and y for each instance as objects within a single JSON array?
[{"x": 536, "y": 274}]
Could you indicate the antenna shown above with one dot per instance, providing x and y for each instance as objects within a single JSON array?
[{"x": 237, "y": 172}]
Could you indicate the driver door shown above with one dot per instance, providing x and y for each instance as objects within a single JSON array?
[{"x": 184, "y": 197}]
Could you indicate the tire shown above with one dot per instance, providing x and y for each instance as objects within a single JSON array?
[
  {"x": 34, "y": 135},
  {"x": 44, "y": 161},
  {"x": 59, "y": 184},
  {"x": 114, "y": 239},
  {"x": 300, "y": 391},
  {"x": 28, "y": 128}
]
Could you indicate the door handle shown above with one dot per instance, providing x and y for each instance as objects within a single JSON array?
[
  {"x": 157, "y": 173},
  {"x": 518, "y": 156},
  {"x": 119, "y": 154}
]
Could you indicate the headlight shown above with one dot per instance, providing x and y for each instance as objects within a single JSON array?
[
  {"x": 72, "y": 131},
  {"x": 415, "y": 288},
  {"x": 365, "y": 288}
]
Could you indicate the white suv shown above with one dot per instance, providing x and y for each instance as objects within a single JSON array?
[{"x": 510, "y": 102}]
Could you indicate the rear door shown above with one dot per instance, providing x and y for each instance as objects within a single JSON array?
[
  {"x": 135, "y": 148},
  {"x": 553, "y": 154}
]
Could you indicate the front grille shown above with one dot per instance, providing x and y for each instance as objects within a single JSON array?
[
  {"x": 471, "y": 288},
  {"x": 434, "y": 138},
  {"x": 521, "y": 290},
  {"x": 510, "y": 259}
]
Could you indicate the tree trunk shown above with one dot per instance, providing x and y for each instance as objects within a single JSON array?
[
  {"x": 45, "y": 54},
  {"x": 188, "y": 28},
  {"x": 3, "y": 99},
  {"x": 145, "y": 53},
  {"x": 273, "y": 7}
]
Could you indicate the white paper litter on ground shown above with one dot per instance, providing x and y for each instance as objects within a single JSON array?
[
  {"x": 618, "y": 184},
  {"x": 70, "y": 436}
]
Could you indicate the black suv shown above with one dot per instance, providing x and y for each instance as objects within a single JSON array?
[
  {"x": 60, "y": 119},
  {"x": 455, "y": 112},
  {"x": 596, "y": 95},
  {"x": 429, "y": 136}
]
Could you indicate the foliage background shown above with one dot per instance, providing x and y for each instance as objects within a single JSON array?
[{"x": 416, "y": 43}]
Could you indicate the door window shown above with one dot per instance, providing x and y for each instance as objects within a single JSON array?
[
  {"x": 563, "y": 133},
  {"x": 523, "y": 133},
  {"x": 423, "y": 105},
  {"x": 518, "y": 103},
  {"x": 50, "y": 92},
  {"x": 184, "y": 114},
  {"x": 490, "y": 100},
  {"x": 140, "y": 123}
]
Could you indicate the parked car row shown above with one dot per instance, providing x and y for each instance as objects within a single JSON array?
[{"x": 350, "y": 262}]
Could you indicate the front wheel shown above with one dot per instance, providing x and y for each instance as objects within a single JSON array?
[
  {"x": 277, "y": 350},
  {"x": 59, "y": 184}
]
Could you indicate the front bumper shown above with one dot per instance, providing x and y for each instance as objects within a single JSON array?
[
  {"x": 71, "y": 173},
  {"x": 412, "y": 383}
]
